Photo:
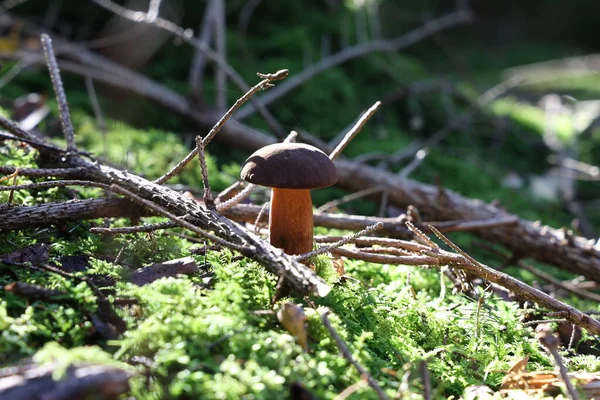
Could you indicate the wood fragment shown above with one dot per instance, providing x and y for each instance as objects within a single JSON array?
[
  {"x": 79, "y": 380},
  {"x": 149, "y": 274}
]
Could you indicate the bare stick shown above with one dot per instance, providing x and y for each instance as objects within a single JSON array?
[
  {"x": 207, "y": 196},
  {"x": 16, "y": 130},
  {"x": 352, "y": 388},
  {"x": 39, "y": 172},
  {"x": 348, "y": 355},
  {"x": 153, "y": 11},
  {"x": 416, "y": 260},
  {"x": 263, "y": 84},
  {"x": 550, "y": 341},
  {"x": 360, "y": 50},
  {"x": 136, "y": 229},
  {"x": 259, "y": 217},
  {"x": 420, "y": 236},
  {"x": 178, "y": 220},
  {"x": 61, "y": 98},
  {"x": 342, "y": 242},
  {"x": 237, "y": 198},
  {"x": 34, "y": 143},
  {"x": 355, "y": 130},
  {"x": 348, "y": 198},
  {"x": 452, "y": 245}
]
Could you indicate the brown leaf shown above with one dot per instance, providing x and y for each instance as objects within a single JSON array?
[
  {"x": 36, "y": 254},
  {"x": 293, "y": 319},
  {"x": 338, "y": 264}
]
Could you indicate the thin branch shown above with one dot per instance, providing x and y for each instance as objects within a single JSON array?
[
  {"x": 153, "y": 11},
  {"x": 59, "y": 90},
  {"x": 551, "y": 341},
  {"x": 237, "y": 198},
  {"x": 44, "y": 172},
  {"x": 136, "y": 229},
  {"x": 348, "y": 198},
  {"x": 16, "y": 130},
  {"x": 355, "y": 130},
  {"x": 348, "y": 355},
  {"x": 266, "y": 82},
  {"x": 207, "y": 196},
  {"x": 360, "y": 50},
  {"x": 259, "y": 216},
  {"x": 348, "y": 239}
]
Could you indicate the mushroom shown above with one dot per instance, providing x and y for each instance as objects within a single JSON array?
[{"x": 291, "y": 170}]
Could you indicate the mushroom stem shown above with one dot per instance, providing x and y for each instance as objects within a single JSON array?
[{"x": 291, "y": 220}]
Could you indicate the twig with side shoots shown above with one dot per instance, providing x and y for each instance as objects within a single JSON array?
[
  {"x": 348, "y": 355},
  {"x": 432, "y": 255},
  {"x": 179, "y": 220},
  {"x": 237, "y": 198},
  {"x": 551, "y": 342},
  {"x": 266, "y": 82},
  {"x": 63, "y": 106},
  {"x": 346, "y": 240},
  {"x": 355, "y": 130}
]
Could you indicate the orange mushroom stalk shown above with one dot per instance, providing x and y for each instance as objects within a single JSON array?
[{"x": 291, "y": 170}]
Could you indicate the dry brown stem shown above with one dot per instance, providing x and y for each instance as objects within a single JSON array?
[{"x": 343, "y": 348}]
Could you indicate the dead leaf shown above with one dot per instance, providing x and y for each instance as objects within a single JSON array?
[
  {"x": 35, "y": 254},
  {"x": 519, "y": 366},
  {"x": 293, "y": 319},
  {"x": 338, "y": 264}
]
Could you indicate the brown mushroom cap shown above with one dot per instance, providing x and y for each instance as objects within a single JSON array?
[{"x": 290, "y": 166}]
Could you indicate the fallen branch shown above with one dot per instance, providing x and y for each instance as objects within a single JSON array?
[
  {"x": 149, "y": 274},
  {"x": 78, "y": 382},
  {"x": 423, "y": 255}
]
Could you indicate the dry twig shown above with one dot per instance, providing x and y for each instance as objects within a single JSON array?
[
  {"x": 59, "y": 90},
  {"x": 355, "y": 130},
  {"x": 348, "y": 355},
  {"x": 266, "y": 82}
]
